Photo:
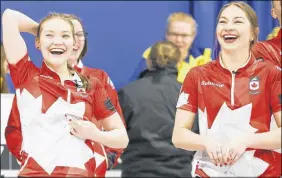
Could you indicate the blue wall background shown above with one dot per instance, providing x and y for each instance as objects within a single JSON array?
[{"x": 119, "y": 31}]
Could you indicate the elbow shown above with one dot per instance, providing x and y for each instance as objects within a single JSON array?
[
  {"x": 7, "y": 19},
  {"x": 8, "y": 13},
  {"x": 125, "y": 140},
  {"x": 176, "y": 140}
]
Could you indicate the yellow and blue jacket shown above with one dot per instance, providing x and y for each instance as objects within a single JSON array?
[{"x": 197, "y": 57}]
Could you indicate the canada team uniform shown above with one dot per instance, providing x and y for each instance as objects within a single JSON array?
[
  {"x": 231, "y": 104},
  {"x": 270, "y": 50},
  {"x": 48, "y": 148},
  {"x": 108, "y": 85}
]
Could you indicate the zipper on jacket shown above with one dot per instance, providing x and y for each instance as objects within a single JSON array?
[{"x": 232, "y": 91}]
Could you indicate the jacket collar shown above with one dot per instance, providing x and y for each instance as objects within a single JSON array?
[
  {"x": 170, "y": 69},
  {"x": 221, "y": 66},
  {"x": 79, "y": 66},
  {"x": 47, "y": 72}
]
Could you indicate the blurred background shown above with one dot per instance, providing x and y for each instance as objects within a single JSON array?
[{"x": 120, "y": 31}]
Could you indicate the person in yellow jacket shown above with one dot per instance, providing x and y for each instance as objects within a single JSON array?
[
  {"x": 181, "y": 30},
  {"x": 273, "y": 33}
]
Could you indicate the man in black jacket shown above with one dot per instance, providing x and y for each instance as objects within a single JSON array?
[{"x": 149, "y": 106}]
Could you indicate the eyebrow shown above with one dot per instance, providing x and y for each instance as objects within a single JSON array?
[
  {"x": 234, "y": 18},
  {"x": 239, "y": 18},
  {"x": 53, "y": 31}
]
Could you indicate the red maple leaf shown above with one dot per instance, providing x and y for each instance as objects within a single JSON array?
[{"x": 254, "y": 85}]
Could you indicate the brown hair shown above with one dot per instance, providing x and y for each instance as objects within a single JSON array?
[
  {"x": 4, "y": 86},
  {"x": 250, "y": 13},
  {"x": 52, "y": 15},
  {"x": 164, "y": 52},
  {"x": 84, "y": 50}
]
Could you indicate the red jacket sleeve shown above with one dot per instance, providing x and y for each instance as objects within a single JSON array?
[
  {"x": 112, "y": 153},
  {"x": 111, "y": 91},
  {"x": 22, "y": 71},
  {"x": 275, "y": 88},
  {"x": 102, "y": 105},
  {"x": 13, "y": 132},
  {"x": 188, "y": 97},
  {"x": 267, "y": 52}
]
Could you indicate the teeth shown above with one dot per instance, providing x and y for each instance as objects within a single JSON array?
[
  {"x": 230, "y": 36},
  {"x": 57, "y": 50}
]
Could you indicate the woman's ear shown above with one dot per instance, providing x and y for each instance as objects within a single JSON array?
[
  {"x": 256, "y": 33},
  {"x": 37, "y": 43}
]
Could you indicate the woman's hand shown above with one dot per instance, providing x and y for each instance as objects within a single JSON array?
[
  {"x": 214, "y": 149},
  {"x": 83, "y": 129},
  {"x": 234, "y": 149}
]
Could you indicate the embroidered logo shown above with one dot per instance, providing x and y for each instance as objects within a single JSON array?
[
  {"x": 254, "y": 85},
  {"x": 45, "y": 76},
  {"x": 204, "y": 83}
]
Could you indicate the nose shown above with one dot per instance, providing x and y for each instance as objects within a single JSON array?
[
  {"x": 229, "y": 27},
  {"x": 76, "y": 46},
  {"x": 57, "y": 41},
  {"x": 178, "y": 38}
]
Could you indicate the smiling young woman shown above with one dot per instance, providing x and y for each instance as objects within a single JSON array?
[
  {"x": 46, "y": 95},
  {"x": 235, "y": 137}
]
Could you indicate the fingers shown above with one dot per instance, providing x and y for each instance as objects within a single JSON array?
[
  {"x": 230, "y": 157},
  {"x": 219, "y": 157},
  {"x": 225, "y": 155},
  {"x": 213, "y": 160},
  {"x": 73, "y": 131},
  {"x": 74, "y": 126},
  {"x": 236, "y": 157}
]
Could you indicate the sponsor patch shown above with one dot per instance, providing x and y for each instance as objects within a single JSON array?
[{"x": 109, "y": 105}]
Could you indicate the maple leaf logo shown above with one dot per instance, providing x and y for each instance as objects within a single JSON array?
[
  {"x": 227, "y": 125},
  {"x": 46, "y": 137},
  {"x": 254, "y": 85}
]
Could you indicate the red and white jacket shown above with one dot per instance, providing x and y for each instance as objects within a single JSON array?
[
  {"x": 231, "y": 104},
  {"x": 41, "y": 131},
  {"x": 269, "y": 50},
  {"x": 108, "y": 85}
]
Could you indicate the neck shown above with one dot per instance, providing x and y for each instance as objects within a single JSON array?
[
  {"x": 72, "y": 62},
  {"x": 184, "y": 55},
  {"x": 233, "y": 60},
  {"x": 61, "y": 70}
]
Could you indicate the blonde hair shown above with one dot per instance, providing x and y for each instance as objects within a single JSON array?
[
  {"x": 250, "y": 13},
  {"x": 84, "y": 50},
  {"x": 183, "y": 17},
  {"x": 164, "y": 52}
]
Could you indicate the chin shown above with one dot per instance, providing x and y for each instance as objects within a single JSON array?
[
  {"x": 229, "y": 47},
  {"x": 57, "y": 62}
]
